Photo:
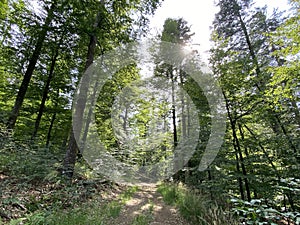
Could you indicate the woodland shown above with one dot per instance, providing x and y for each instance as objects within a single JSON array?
[{"x": 49, "y": 114}]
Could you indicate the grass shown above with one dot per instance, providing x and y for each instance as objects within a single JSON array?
[
  {"x": 194, "y": 207},
  {"x": 142, "y": 220},
  {"x": 86, "y": 214},
  {"x": 127, "y": 195},
  {"x": 95, "y": 213},
  {"x": 32, "y": 192},
  {"x": 146, "y": 217}
]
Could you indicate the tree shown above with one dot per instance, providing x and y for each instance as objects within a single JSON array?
[
  {"x": 112, "y": 15},
  {"x": 240, "y": 59},
  {"x": 31, "y": 66},
  {"x": 177, "y": 31}
]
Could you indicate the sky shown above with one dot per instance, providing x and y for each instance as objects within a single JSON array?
[{"x": 199, "y": 14}]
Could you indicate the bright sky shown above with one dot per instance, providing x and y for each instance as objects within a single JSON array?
[{"x": 199, "y": 14}]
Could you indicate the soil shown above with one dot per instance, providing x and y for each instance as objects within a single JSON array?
[{"x": 147, "y": 201}]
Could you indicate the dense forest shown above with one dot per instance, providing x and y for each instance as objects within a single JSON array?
[{"x": 80, "y": 118}]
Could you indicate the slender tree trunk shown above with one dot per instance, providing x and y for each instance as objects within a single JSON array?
[
  {"x": 274, "y": 118},
  {"x": 188, "y": 118},
  {"x": 32, "y": 63},
  {"x": 183, "y": 106},
  {"x": 289, "y": 195},
  {"x": 236, "y": 146},
  {"x": 88, "y": 120},
  {"x": 296, "y": 111},
  {"x": 247, "y": 185},
  {"x": 210, "y": 187},
  {"x": 72, "y": 149},
  {"x": 45, "y": 95},
  {"x": 240, "y": 181},
  {"x": 175, "y": 138},
  {"x": 50, "y": 129},
  {"x": 52, "y": 121},
  {"x": 174, "y": 111},
  {"x": 65, "y": 142}
]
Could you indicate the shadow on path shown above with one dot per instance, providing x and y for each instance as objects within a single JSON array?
[{"x": 147, "y": 201}]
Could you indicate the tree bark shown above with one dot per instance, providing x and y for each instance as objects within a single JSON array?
[
  {"x": 174, "y": 110},
  {"x": 45, "y": 95},
  {"x": 72, "y": 149},
  {"x": 274, "y": 118},
  {"x": 236, "y": 147},
  {"x": 183, "y": 106},
  {"x": 50, "y": 129},
  {"x": 246, "y": 181},
  {"x": 32, "y": 63}
]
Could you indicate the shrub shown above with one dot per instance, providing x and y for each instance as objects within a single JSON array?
[{"x": 196, "y": 207}]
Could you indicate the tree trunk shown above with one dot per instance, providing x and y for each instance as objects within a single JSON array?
[
  {"x": 174, "y": 111},
  {"x": 88, "y": 120},
  {"x": 50, "y": 129},
  {"x": 45, "y": 95},
  {"x": 274, "y": 118},
  {"x": 28, "y": 74},
  {"x": 188, "y": 117},
  {"x": 289, "y": 194},
  {"x": 236, "y": 147},
  {"x": 296, "y": 111},
  {"x": 183, "y": 106},
  {"x": 175, "y": 140},
  {"x": 248, "y": 192},
  {"x": 72, "y": 149}
]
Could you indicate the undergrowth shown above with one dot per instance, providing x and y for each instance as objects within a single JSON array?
[
  {"x": 32, "y": 192},
  {"x": 146, "y": 217},
  {"x": 194, "y": 207}
]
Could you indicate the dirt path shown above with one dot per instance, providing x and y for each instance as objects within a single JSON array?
[{"x": 148, "y": 203}]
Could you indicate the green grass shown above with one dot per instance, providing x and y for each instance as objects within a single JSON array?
[
  {"x": 196, "y": 208},
  {"x": 95, "y": 213},
  {"x": 169, "y": 193},
  {"x": 127, "y": 195},
  {"x": 83, "y": 215},
  {"x": 146, "y": 217},
  {"x": 89, "y": 211},
  {"x": 113, "y": 209},
  {"x": 142, "y": 219}
]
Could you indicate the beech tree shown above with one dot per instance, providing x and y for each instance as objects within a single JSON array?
[
  {"x": 115, "y": 15},
  {"x": 241, "y": 59},
  {"x": 31, "y": 66}
]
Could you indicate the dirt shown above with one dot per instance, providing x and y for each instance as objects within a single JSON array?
[{"x": 148, "y": 202}]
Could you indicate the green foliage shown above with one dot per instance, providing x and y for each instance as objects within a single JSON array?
[
  {"x": 142, "y": 219},
  {"x": 97, "y": 212},
  {"x": 25, "y": 160},
  {"x": 258, "y": 211},
  {"x": 255, "y": 63},
  {"x": 92, "y": 214},
  {"x": 169, "y": 193},
  {"x": 128, "y": 193},
  {"x": 145, "y": 217},
  {"x": 113, "y": 209},
  {"x": 195, "y": 207}
]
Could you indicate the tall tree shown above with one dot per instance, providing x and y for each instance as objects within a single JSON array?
[
  {"x": 31, "y": 66},
  {"x": 175, "y": 31},
  {"x": 240, "y": 59},
  {"x": 117, "y": 15}
]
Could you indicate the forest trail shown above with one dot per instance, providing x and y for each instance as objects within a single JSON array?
[{"x": 147, "y": 203}]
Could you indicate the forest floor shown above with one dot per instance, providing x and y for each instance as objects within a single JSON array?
[{"x": 147, "y": 205}]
